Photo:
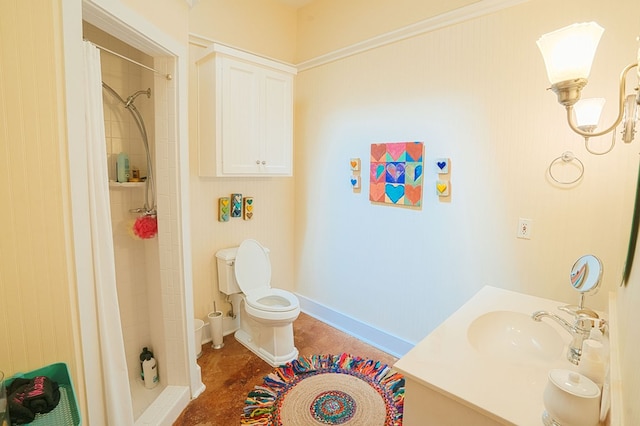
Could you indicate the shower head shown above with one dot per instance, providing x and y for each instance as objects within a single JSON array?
[{"x": 131, "y": 98}]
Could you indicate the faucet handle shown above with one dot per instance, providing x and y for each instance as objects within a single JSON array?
[{"x": 577, "y": 311}]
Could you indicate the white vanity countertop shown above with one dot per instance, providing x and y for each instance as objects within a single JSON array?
[{"x": 509, "y": 392}]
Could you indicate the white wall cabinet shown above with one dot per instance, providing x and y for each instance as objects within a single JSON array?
[{"x": 245, "y": 114}]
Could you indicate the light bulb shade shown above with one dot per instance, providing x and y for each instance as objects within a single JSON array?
[
  {"x": 588, "y": 112},
  {"x": 568, "y": 52}
]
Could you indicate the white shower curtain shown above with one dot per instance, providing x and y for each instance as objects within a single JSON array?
[{"x": 119, "y": 409}]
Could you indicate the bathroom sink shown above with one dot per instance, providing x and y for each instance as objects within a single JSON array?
[{"x": 514, "y": 336}]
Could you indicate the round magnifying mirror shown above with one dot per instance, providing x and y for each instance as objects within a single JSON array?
[{"x": 586, "y": 274}]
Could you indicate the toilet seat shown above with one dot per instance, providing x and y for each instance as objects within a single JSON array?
[
  {"x": 253, "y": 274},
  {"x": 272, "y": 299}
]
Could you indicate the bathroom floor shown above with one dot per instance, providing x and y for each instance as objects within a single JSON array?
[{"x": 231, "y": 372}]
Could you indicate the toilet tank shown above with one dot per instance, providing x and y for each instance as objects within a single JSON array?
[{"x": 227, "y": 283}]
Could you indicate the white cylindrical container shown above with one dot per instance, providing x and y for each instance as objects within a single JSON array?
[
  {"x": 570, "y": 399},
  {"x": 198, "y": 324},
  {"x": 215, "y": 327},
  {"x": 150, "y": 369}
]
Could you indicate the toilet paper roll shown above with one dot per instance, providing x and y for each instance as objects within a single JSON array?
[{"x": 215, "y": 328}]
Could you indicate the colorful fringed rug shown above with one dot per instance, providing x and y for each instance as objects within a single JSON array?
[{"x": 327, "y": 390}]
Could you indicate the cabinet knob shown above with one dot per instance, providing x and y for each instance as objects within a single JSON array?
[
  {"x": 264, "y": 162},
  {"x": 257, "y": 161}
]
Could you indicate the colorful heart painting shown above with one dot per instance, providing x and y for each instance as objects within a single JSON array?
[
  {"x": 412, "y": 195},
  {"x": 377, "y": 172},
  {"x": 376, "y": 192},
  {"x": 378, "y": 151},
  {"x": 442, "y": 166},
  {"x": 223, "y": 209},
  {"x": 414, "y": 151},
  {"x": 394, "y": 192},
  {"x": 442, "y": 188},
  {"x": 355, "y": 182},
  {"x": 396, "y": 152},
  {"x": 236, "y": 205},
  {"x": 396, "y": 173},
  {"x": 247, "y": 211}
]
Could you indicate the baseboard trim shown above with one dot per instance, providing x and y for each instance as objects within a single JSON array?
[{"x": 384, "y": 341}]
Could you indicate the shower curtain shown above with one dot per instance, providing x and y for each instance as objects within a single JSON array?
[{"x": 119, "y": 409}]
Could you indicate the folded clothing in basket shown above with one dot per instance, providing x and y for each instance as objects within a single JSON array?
[{"x": 28, "y": 397}]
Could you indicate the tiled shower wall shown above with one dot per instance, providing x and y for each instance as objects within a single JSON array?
[{"x": 136, "y": 260}]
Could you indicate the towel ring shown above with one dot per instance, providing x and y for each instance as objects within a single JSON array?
[{"x": 565, "y": 158}]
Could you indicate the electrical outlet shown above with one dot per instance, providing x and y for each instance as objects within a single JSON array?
[{"x": 524, "y": 228}]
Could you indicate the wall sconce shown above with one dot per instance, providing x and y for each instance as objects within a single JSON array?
[{"x": 568, "y": 54}]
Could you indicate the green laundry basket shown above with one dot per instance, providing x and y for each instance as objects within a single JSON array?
[{"x": 66, "y": 412}]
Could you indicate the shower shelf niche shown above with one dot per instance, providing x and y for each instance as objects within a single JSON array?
[{"x": 117, "y": 185}]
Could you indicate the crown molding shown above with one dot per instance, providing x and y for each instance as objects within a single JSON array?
[
  {"x": 475, "y": 10},
  {"x": 482, "y": 7}
]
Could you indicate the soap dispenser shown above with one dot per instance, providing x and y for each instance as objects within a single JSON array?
[{"x": 593, "y": 360}]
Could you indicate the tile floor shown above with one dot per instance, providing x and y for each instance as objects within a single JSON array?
[{"x": 231, "y": 372}]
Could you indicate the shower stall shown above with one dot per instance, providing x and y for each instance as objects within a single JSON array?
[{"x": 147, "y": 307}]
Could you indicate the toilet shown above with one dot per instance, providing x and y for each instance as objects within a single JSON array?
[{"x": 266, "y": 314}]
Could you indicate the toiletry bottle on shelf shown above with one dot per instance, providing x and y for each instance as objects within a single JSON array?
[
  {"x": 122, "y": 167},
  {"x": 143, "y": 356},
  {"x": 150, "y": 368}
]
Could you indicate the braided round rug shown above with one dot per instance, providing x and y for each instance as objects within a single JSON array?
[{"x": 327, "y": 390}]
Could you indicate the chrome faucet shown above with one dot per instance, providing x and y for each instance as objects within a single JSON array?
[{"x": 579, "y": 331}]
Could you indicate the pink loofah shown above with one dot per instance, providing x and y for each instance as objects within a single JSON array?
[{"x": 146, "y": 227}]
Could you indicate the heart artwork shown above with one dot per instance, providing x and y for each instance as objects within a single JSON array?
[
  {"x": 442, "y": 164},
  {"x": 414, "y": 151},
  {"x": 354, "y": 181},
  {"x": 417, "y": 172},
  {"x": 395, "y": 172},
  {"x": 249, "y": 201},
  {"x": 394, "y": 192},
  {"x": 413, "y": 173},
  {"x": 395, "y": 150},
  {"x": 377, "y": 172},
  {"x": 354, "y": 164},
  {"x": 376, "y": 192},
  {"x": 224, "y": 202},
  {"x": 413, "y": 195},
  {"x": 248, "y": 215},
  {"x": 249, "y": 207},
  {"x": 378, "y": 150},
  {"x": 442, "y": 187}
]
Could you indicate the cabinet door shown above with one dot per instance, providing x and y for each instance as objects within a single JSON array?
[
  {"x": 277, "y": 104},
  {"x": 240, "y": 148}
]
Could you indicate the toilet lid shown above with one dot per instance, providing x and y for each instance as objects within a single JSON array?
[{"x": 252, "y": 267}]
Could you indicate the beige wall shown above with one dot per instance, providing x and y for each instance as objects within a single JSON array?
[
  {"x": 37, "y": 285},
  {"x": 265, "y": 27},
  {"x": 171, "y": 16},
  {"x": 475, "y": 93}
]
